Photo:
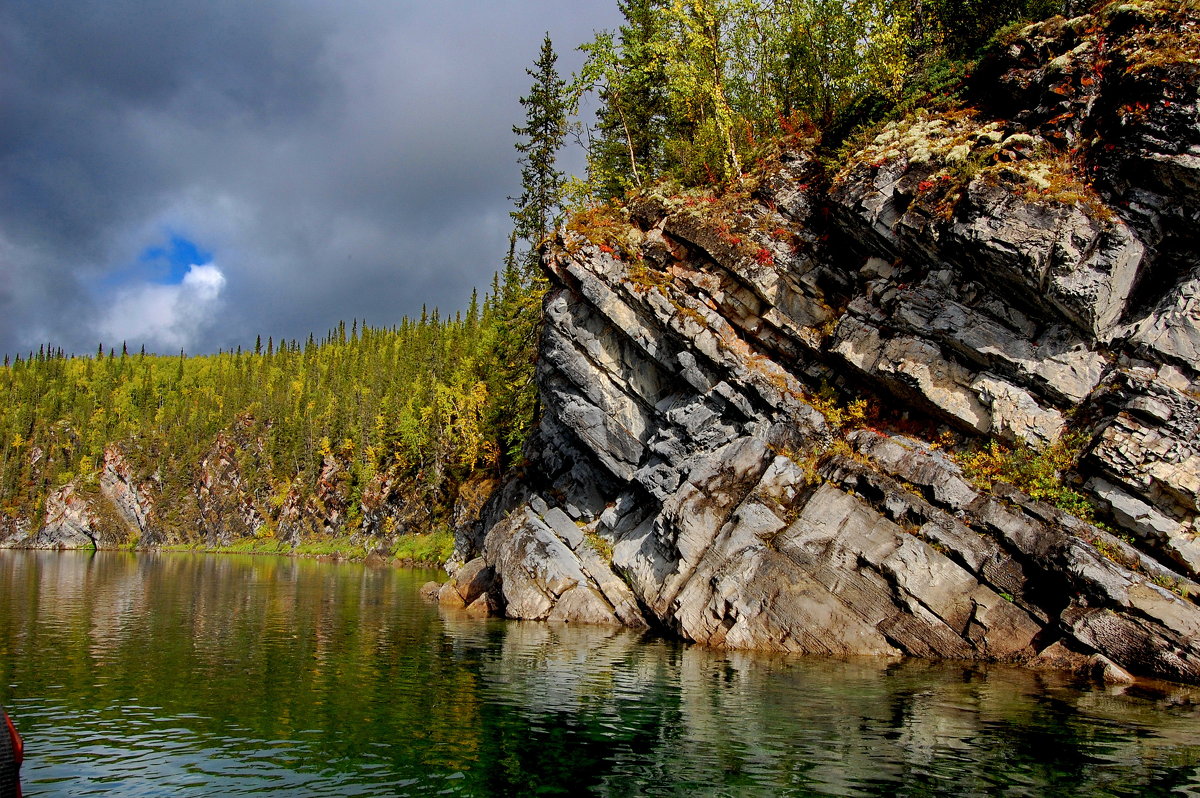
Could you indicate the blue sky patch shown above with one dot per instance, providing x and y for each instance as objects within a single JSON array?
[
  {"x": 160, "y": 264},
  {"x": 168, "y": 264}
]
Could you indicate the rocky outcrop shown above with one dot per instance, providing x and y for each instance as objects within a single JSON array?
[
  {"x": 128, "y": 502},
  {"x": 226, "y": 508},
  {"x": 69, "y": 522},
  {"x": 1012, "y": 271},
  {"x": 129, "y": 497},
  {"x": 112, "y": 509}
]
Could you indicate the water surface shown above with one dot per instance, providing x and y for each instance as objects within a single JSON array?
[{"x": 199, "y": 675}]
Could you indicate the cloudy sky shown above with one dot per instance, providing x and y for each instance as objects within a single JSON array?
[{"x": 193, "y": 173}]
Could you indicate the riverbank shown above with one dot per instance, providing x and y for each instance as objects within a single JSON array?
[
  {"x": 429, "y": 550},
  {"x": 426, "y": 550}
]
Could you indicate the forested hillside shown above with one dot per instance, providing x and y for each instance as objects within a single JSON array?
[{"x": 410, "y": 402}]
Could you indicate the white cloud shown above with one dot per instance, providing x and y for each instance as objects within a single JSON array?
[{"x": 166, "y": 318}]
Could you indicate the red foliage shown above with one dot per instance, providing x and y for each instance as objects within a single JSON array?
[{"x": 764, "y": 257}]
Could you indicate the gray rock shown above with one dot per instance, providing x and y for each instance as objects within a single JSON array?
[
  {"x": 562, "y": 525},
  {"x": 118, "y": 486},
  {"x": 1178, "y": 542},
  {"x": 1057, "y": 362},
  {"x": 1057, "y": 256},
  {"x": 473, "y": 580},
  {"x": 69, "y": 522},
  {"x": 1173, "y": 329}
]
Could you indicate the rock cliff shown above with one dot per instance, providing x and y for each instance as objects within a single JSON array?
[
  {"x": 756, "y": 406},
  {"x": 115, "y": 509},
  {"x": 131, "y": 503}
]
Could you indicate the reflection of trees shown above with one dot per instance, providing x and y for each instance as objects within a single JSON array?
[
  {"x": 340, "y": 671},
  {"x": 248, "y": 648}
]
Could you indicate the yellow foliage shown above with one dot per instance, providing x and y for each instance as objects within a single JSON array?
[
  {"x": 839, "y": 417},
  {"x": 1040, "y": 474}
]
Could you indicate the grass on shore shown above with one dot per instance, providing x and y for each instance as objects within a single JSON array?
[{"x": 431, "y": 549}]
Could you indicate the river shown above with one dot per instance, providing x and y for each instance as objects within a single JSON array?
[{"x": 202, "y": 675}]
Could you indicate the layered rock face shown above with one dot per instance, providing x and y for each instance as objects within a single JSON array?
[{"x": 1023, "y": 270}]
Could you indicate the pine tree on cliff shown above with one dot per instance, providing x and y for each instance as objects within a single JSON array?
[
  {"x": 513, "y": 409},
  {"x": 539, "y": 208}
]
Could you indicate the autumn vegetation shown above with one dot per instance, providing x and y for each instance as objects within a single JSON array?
[{"x": 412, "y": 399}]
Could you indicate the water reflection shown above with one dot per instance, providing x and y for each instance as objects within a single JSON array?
[
  {"x": 202, "y": 675},
  {"x": 738, "y": 721}
]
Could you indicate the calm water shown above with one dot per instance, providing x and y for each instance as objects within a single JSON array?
[{"x": 203, "y": 675}]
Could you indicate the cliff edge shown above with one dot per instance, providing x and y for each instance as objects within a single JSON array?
[{"x": 758, "y": 406}]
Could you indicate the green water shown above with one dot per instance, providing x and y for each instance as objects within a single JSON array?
[{"x": 194, "y": 675}]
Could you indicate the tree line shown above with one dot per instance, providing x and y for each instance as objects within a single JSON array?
[{"x": 688, "y": 89}]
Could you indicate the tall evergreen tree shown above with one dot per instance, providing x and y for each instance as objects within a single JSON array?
[
  {"x": 510, "y": 378},
  {"x": 517, "y": 297},
  {"x": 539, "y": 208}
]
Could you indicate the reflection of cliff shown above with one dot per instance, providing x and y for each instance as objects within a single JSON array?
[
  {"x": 549, "y": 668},
  {"x": 770, "y": 722},
  {"x": 1022, "y": 272},
  {"x": 263, "y": 647}
]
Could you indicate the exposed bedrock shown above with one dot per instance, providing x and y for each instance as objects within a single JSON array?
[{"x": 1002, "y": 272}]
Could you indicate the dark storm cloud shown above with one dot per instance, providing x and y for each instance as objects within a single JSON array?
[{"x": 338, "y": 160}]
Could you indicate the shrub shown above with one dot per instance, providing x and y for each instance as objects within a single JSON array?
[
  {"x": 602, "y": 546},
  {"x": 840, "y": 417},
  {"x": 1040, "y": 474}
]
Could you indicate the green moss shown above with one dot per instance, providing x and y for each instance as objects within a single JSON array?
[
  {"x": 645, "y": 278},
  {"x": 690, "y": 314},
  {"x": 602, "y": 546},
  {"x": 809, "y": 461},
  {"x": 340, "y": 547},
  {"x": 1174, "y": 585},
  {"x": 602, "y": 224},
  {"x": 432, "y": 548}
]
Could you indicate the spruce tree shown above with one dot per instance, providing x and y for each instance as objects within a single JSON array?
[
  {"x": 517, "y": 297},
  {"x": 539, "y": 208}
]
